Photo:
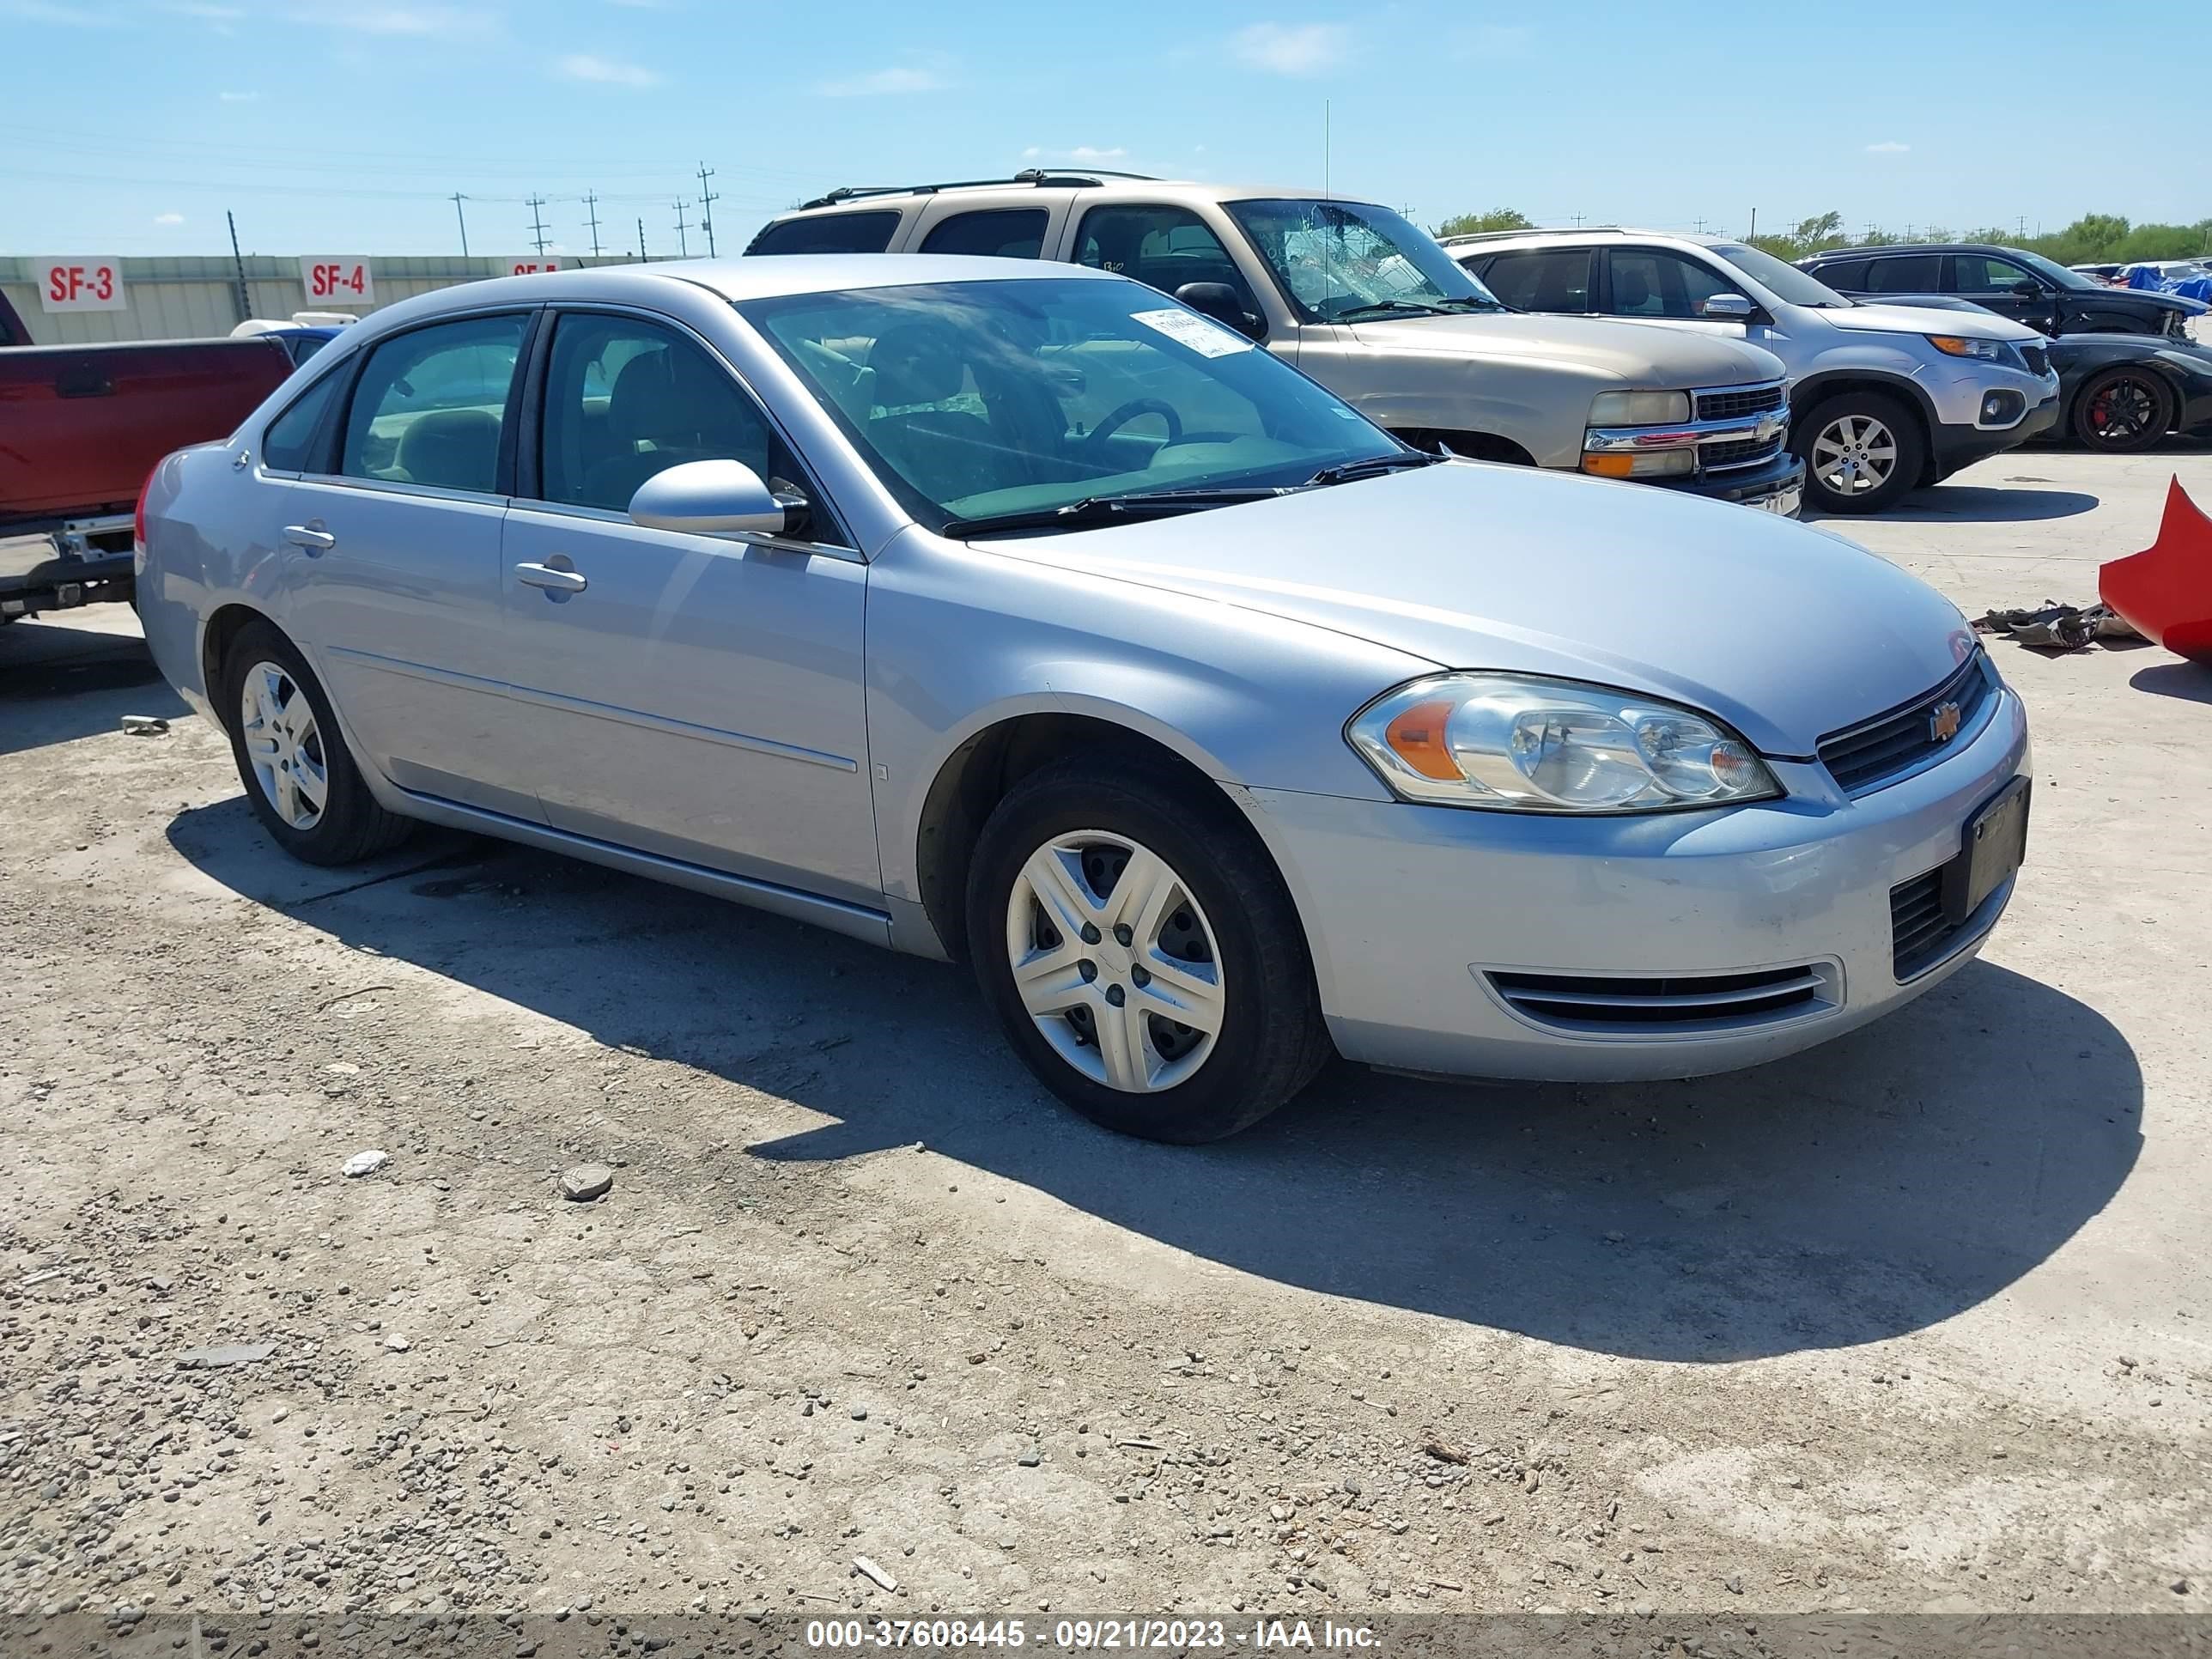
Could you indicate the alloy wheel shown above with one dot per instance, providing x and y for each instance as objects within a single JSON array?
[
  {"x": 1115, "y": 961},
  {"x": 2121, "y": 411},
  {"x": 284, "y": 744},
  {"x": 1853, "y": 455}
]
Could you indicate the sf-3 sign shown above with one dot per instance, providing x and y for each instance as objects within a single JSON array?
[{"x": 81, "y": 285}]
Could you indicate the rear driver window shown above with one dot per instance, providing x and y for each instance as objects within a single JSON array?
[
  {"x": 289, "y": 444},
  {"x": 1005, "y": 233},
  {"x": 431, "y": 404},
  {"x": 831, "y": 232},
  {"x": 1552, "y": 279}
]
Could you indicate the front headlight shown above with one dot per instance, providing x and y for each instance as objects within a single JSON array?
[
  {"x": 1954, "y": 345},
  {"x": 1510, "y": 744},
  {"x": 1639, "y": 408}
]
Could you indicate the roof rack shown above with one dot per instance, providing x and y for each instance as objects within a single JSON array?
[
  {"x": 1465, "y": 237},
  {"x": 1040, "y": 177}
]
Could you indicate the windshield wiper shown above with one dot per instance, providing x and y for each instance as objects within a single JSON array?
[
  {"x": 1112, "y": 509},
  {"x": 1374, "y": 466},
  {"x": 1452, "y": 307}
]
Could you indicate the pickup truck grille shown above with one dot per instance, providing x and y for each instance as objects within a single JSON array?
[
  {"x": 1738, "y": 400},
  {"x": 1741, "y": 452},
  {"x": 1867, "y": 756}
]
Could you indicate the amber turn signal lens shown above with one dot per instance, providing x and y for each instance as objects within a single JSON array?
[
  {"x": 1417, "y": 737},
  {"x": 1610, "y": 466}
]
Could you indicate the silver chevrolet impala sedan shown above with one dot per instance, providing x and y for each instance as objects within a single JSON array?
[{"x": 1019, "y": 615}]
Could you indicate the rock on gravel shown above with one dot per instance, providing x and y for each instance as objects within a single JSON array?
[
  {"x": 586, "y": 1182},
  {"x": 368, "y": 1163},
  {"x": 233, "y": 1353}
]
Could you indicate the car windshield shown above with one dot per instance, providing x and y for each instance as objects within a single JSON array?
[
  {"x": 2048, "y": 269},
  {"x": 1350, "y": 259},
  {"x": 1789, "y": 284},
  {"x": 981, "y": 400}
]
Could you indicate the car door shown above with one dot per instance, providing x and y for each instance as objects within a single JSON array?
[
  {"x": 1995, "y": 284},
  {"x": 393, "y": 541},
  {"x": 699, "y": 698}
]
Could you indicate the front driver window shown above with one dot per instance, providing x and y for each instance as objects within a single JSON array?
[
  {"x": 1162, "y": 247},
  {"x": 1547, "y": 279},
  {"x": 1980, "y": 274},
  {"x": 625, "y": 399},
  {"x": 1647, "y": 282}
]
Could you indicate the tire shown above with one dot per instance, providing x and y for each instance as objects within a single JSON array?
[
  {"x": 2123, "y": 410},
  {"x": 347, "y": 825},
  {"x": 1870, "y": 416},
  {"x": 1090, "y": 821}
]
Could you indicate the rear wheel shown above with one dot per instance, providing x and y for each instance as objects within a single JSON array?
[
  {"x": 2123, "y": 410},
  {"x": 1142, "y": 954},
  {"x": 299, "y": 778},
  {"x": 1862, "y": 451}
]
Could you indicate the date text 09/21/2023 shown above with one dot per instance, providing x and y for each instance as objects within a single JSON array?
[{"x": 1089, "y": 1635}]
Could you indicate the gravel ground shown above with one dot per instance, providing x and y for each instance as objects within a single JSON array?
[{"x": 1918, "y": 1320}]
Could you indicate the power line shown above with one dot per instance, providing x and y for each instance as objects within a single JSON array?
[
  {"x": 537, "y": 223},
  {"x": 707, "y": 200}
]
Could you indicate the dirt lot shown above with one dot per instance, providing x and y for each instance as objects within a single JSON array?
[{"x": 1918, "y": 1320}]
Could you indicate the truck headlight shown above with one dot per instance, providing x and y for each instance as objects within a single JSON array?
[
  {"x": 1510, "y": 742},
  {"x": 1954, "y": 345},
  {"x": 1639, "y": 408}
]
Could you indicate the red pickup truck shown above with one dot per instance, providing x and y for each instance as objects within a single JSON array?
[{"x": 81, "y": 427}]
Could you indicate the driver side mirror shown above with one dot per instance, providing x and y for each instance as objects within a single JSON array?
[
  {"x": 2028, "y": 289},
  {"x": 1727, "y": 307},
  {"x": 1219, "y": 301},
  {"x": 710, "y": 498}
]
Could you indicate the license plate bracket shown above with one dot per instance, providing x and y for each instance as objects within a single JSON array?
[{"x": 1995, "y": 846}]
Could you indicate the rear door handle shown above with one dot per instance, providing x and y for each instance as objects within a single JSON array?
[
  {"x": 315, "y": 541},
  {"x": 553, "y": 581}
]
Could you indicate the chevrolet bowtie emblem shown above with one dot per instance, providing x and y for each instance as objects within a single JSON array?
[{"x": 1943, "y": 722}]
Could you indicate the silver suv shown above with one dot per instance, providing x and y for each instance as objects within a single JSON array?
[
  {"x": 1887, "y": 398},
  {"x": 1372, "y": 308}
]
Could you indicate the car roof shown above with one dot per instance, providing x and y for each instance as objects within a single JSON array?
[
  {"x": 1914, "y": 248},
  {"x": 1022, "y": 188},
  {"x": 1580, "y": 233}
]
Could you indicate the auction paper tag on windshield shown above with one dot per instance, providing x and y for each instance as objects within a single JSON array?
[{"x": 1201, "y": 334}]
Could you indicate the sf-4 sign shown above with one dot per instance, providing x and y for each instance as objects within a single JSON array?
[
  {"x": 81, "y": 285},
  {"x": 337, "y": 282},
  {"x": 530, "y": 267}
]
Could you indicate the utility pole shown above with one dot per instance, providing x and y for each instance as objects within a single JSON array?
[
  {"x": 238, "y": 264},
  {"x": 592, "y": 202},
  {"x": 1578, "y": 221},
  {"x": 538, "y": 222},
  {"x": 1701, "y": 225},
  {"x": 707, "y": 200},
  {"x": 642, "y": 257},
  {"x": 463, "y": 218},
  {"x": 683, "y": 247},
  {"x": 1755, "y": 225}
]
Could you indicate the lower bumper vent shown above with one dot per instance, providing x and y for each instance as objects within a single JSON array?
[{"x": 1699, "y": 1003}]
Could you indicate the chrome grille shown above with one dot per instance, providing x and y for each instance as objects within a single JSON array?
[
  {"x": 1737, "y": 451},
  {"x": 1877, "y": 751},
  {"x": 1727, "y": 405},
  {"x": 1597, "y": 1004}
]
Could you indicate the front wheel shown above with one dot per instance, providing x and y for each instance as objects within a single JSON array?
[
  {"x": 1862, "y": 452},
  {"x": 2123, "y": 410},
  {"x": 1142, "y": 954}
]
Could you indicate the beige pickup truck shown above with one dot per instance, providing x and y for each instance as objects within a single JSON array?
[{"x": 1370, "y": 306}]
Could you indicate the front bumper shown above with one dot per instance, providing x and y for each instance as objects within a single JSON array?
[
  {"x": 1778, "y": 483},
  {"x": 1952, "y": 446},
  {"x": 1414, "y": 911}
]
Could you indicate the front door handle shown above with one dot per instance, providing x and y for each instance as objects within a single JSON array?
[
  {"x": 547, "y": 577},
  {"x": 307, "y": 535}
]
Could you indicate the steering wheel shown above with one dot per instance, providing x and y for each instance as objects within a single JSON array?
[{"x": 1128, "y": 412}]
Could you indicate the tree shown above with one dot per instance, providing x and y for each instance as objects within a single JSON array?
[{"x": 1470, "y": 224}]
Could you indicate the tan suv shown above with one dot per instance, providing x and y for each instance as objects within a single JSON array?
[{"x": 1370, "y": 307}]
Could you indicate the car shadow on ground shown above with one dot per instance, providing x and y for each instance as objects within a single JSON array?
[
  {"x": 2191, "y": 681},
  {"x": 58, "y": 682},
  {"x": 1975, "y": 504},
  {"x": 1868, "y": 1188}
]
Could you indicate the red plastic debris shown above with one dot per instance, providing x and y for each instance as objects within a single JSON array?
[{"x": 2166, "y": 590}]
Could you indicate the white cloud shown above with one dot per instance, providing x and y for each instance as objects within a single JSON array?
[
  {"x": 430, "y": 21},
  {"x": 900, "y": 79},
  {"x": 239, "y": 97},
  {"x": 1290, "y": 48},
  {"x": 168, "y": 218},
  {"x": 607, "y": 71},
  {"x": 1088, "y": 153},
  {"x": 1887, "y": 147}
]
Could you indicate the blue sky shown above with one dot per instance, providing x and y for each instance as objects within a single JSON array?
[{"x": 343, "y": 126}]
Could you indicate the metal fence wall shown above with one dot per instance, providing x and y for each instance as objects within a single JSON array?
[{"x": 195, "y": 298}]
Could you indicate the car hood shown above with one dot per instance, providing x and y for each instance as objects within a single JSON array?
[
  {"x": 1638, "y": 357},
  {"x": 1786, "y": 632},
  {"x": 1974, "y": 323}
]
